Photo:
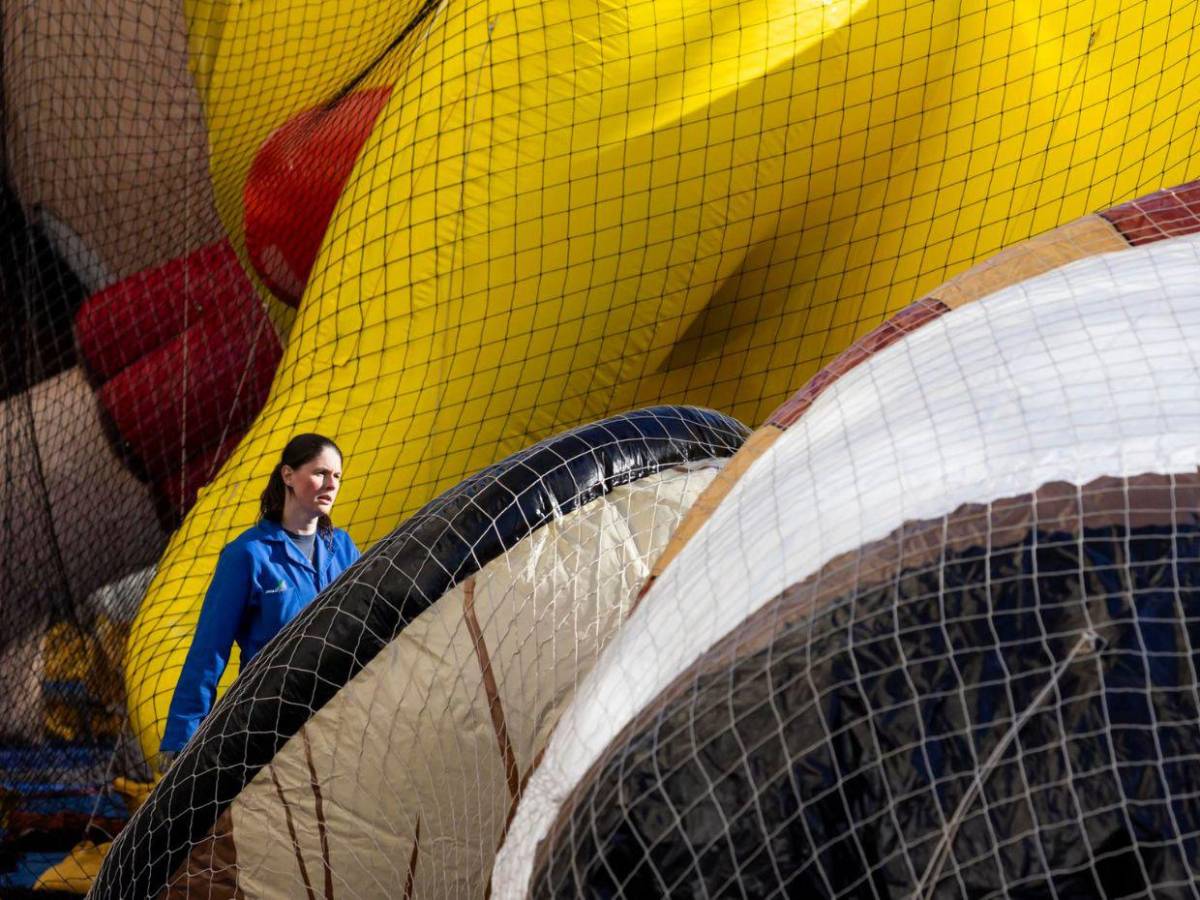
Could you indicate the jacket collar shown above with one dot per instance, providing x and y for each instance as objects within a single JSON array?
[{"x": 273, "y": 531}]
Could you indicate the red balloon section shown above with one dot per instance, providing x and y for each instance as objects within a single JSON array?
[{"x": 294, "y": 185}]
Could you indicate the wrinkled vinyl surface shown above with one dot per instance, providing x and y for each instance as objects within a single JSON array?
[{"x": 1010, "y": 711}]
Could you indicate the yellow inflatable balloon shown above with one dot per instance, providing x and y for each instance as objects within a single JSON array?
[{"x": 568, "y": 210}]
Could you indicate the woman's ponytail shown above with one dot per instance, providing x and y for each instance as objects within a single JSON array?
[{"x": 274, "y": 496}]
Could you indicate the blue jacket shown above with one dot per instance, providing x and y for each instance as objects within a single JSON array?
[{"x": 262, "y": 581}]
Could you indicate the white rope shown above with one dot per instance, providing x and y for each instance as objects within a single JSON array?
[{"x": 1089, "y": 642}]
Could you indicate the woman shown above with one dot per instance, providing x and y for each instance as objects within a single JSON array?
[{"x": 264, "y": 578}]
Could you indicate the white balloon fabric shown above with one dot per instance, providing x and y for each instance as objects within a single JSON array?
[{"x": 1084, "y": 372}]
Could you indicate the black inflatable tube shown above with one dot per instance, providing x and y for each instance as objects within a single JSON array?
[{"x": 448, "y": 540}]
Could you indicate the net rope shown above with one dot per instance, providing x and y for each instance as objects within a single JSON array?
[{"x": 598, "y": 264}]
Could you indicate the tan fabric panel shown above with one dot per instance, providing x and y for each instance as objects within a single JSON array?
[
  {"x": 1084, "y": 237},
  {"x": 712, "y": 497},
  {"x": 415, "y": 735},
  {"x": 22, "y": 667},
  {"x": 105, "y": 128},
  {"x": 74, "y": 461}
]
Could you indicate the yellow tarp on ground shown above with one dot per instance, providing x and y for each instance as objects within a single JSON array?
[
  {"x": 568, "y": 210},
  {"x": 76, "y": 871}
]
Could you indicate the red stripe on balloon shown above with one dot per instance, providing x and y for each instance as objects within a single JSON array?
[
  {"x": 187, "y": 396},
  {"x": 123, "y": 322},
  {"x": 904, "y": 322},
  {"x": 1155, "y": 217}
]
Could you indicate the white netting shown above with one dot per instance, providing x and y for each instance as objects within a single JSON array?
[
  {"x": 958, "y": 658},
  {"x": 530, "y": 265}
]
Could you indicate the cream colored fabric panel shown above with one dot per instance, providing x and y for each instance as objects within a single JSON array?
[
  {"x": 1079, "y": 239},
  {"x": 554, "y": 607},
  {"x": 414, "y": 733}
]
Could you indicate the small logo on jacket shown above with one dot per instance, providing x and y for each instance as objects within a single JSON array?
[{"x": 278, "y": 589}]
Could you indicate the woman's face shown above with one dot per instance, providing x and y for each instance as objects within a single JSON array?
[{"x": 314, "y": 485}]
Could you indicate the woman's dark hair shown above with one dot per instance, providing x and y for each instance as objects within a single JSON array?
[{"x": 301, "y": 449}]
